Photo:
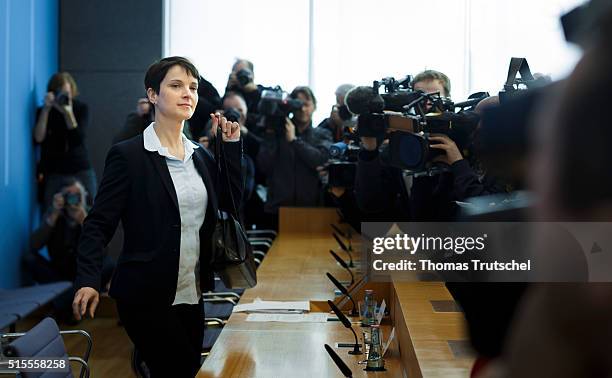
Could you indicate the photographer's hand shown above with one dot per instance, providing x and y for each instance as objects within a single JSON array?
[
  {"x": 445, "y": 143},
  {"x": 49, "y": 100},
  {"x": 56, "y": 209},
  {"x": 290, "y": 130},
  {"x": 68, "y": 113},
  {"x": 232, "y": 81},
  {"x": 250, "y": 87},
  {"x": 369, "y": 143},
  {"x": 78, "y": 213}
]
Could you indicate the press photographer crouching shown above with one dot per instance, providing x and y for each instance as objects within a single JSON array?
[
  {"x": 59, "y": 232},
  {"x": 291, "y": 151}
]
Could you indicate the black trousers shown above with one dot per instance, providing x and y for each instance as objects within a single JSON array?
[{"x": 169, "y": 338}]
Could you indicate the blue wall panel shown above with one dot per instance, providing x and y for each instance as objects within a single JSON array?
[{"x": 28, "y": 57}]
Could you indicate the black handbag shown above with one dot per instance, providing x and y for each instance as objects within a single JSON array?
[{"x": 232, "y": 253}]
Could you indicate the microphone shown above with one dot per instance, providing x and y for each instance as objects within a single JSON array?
[
  {"x": 364, "y": 99},
  {"x": 339, "y": 363},
  {"x": 344, "y": 265},
  {"x": 347, "y": 324},
  {"x": 343, "y": 291},
  {"x": 473, "y": 100},
  {"x": 345, "y": 249},
  {"x": 340, "y": 232}
]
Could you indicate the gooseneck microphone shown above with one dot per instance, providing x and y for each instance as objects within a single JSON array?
[
  {"x": 338, "y": 361},
  {"x": 345, "y": 249},
  {"x": 344, "y": 265},
  {"x": 347, "y": 324},
  {"x": 343, "y": 291},
  {"x": 338, "y": 231}
]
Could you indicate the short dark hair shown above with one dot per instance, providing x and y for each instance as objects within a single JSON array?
[
  {"x": 306, "y": 91},
  {"x": 158, "y": 70},
  {"x": 430, "y": 75}
]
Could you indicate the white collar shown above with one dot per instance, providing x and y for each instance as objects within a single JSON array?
[{"x": 153, "y": 144}]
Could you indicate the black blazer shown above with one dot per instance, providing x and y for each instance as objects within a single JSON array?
[{"x": 137, "y": 189}]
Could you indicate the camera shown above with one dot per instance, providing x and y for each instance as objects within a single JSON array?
[
  {"x": 61, "y": 98},
  {"x": 275, "y": 105},
  {"x": 344, "y": 113},
  {"x": 411, "y": 116},
  {"x": 342, "y": 164},
  {"x": 515, "y": 85},
  {"x": 72, "y": 199},
  {"x": 244, "y": 76},
  {"x": 232, "y": 114}
]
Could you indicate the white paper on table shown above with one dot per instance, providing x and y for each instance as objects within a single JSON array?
[
  {"x": 391, "y": 337},
  {"x": 273, "y": 306},
  {"x": 315, "y": 317},
  {"x": 381, "y": 312}
]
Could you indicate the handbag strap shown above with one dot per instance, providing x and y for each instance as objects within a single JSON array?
[{"x": 220, "y": 155}]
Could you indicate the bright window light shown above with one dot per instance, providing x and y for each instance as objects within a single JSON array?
[{"x": 358, "y": 41}]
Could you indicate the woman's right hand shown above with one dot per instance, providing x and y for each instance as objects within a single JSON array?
[
  {"x": 49, "y": 100},
  {"x": 86, "y": 298}
]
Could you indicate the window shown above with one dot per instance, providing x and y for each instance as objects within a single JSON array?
[{"x": 327, "y": 43}]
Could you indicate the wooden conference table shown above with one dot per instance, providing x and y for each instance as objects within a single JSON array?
[{"x": 430, "y": 334}]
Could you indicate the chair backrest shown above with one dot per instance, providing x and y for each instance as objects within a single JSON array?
[{"x": 44, "y": 340}]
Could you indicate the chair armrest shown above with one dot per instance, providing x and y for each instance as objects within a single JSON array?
[
  {"x": 220, "y": 300},
  {"x": 261, "y": 232},
  {"x": 84, "y": 366},
  {"x": 213, "y": 294}
]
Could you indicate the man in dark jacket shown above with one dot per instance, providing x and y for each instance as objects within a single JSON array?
[
  {"x": 289, "y": 158},
  {"x": 136, "y": 122}
]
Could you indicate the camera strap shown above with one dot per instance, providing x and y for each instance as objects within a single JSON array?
[{"x": 518, "y": 65}]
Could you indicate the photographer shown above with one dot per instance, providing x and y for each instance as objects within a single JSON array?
[
  {"x": 60, "y": 232},
  {"x": 339, "y": 114},
  {"x": 241, "y": 80},
  {"x": 234, "y": 102},
  {"x": 380, "y": 188},
  {"x": 289, "y": 157},
  {"x": 136, "y": 122},
  {"x": 60, "y": 129}
]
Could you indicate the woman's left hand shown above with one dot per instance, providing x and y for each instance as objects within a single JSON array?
[{"x": 230, "y": 131}]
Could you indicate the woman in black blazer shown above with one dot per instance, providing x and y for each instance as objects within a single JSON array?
[{"x": 162, "y": 187}]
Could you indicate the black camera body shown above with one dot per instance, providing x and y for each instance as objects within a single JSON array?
[
  {"x": 72, "y": 199},
  {"x": 61, "y": 98},
  {"x": 232, "y": 114},
  {"x": 342, "y": 165},
  {"x": 244, "y": 76},
  {"x": 275, "y": 105}
]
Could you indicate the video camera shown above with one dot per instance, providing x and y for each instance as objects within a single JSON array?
[
  {"x": 514, "y": 85},
  {"x": 342, "y": 164},
  {"x": 275, "y": 105},
  {"x": 413, "y": 115}
]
